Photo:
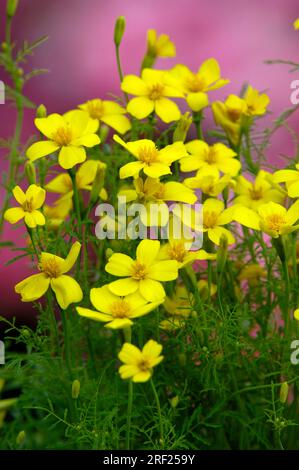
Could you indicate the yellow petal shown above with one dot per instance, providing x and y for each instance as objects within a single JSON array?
[
  {"x": 119, "y": 323},
  {"x": 172, "y": 152},
  {"x": 118, "y": 122},
  {"x": 152, "y": 349},
  {"x": 141, "y": 377},
  {"x": 164, "y": 271},
  {"x": 140, "y": 107},
  {"x": 216, "y": 233},
  {"x": 134, "y": 85},
  {"x": 151, "y": 290},
  {"x": 119, "y": 264},
  {"x": 49, "y": 125},
  {"x": 71, "y": 156},
  {"x": 19, "y": 195},
  {"x": 174, "y": 191},
  {"x": 123, "y": 286},
  {"x": 210, "y": 71},
  {"x": 78, "y": 121},
  {"x": 67, "y": 290},
  {"x": 197, "y": 101},
  {"x": 38, "y": 217},
  {"x": 71, "y": 258},
  {"x": 247, "y": 217},
  {"x": 147, "y": 251},
  {"x": 167, "y": 110},
  {"x": 61, "y": 184},
  {"x": 130, "y": 354},
  {"x": 33, "y": 287},
  {"x": 37, "y": 195},
  {"x": 13, "y": 215},
  {"x": 89, "y": 140},
  {"x": 102, "y": 299},
  {"x": 130, "y": 169},
  {"x": 155, "y": 170},
  {"x": 93, "y": 315},
  {"x": 41, "y": 149},
  {"x": 128, "y": 371}
]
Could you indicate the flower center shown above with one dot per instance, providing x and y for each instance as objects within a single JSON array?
[
  {"x": 210, "y": 219},
  {"x": 177, "y": 252},
  {"x": 139, "y": 271},
  {"x": 120, "y": 309},
  {"x": 211, "y": 156},
  {"x": 28, "y": 205},
  {"x": 275, "y": 221},
  {"x": 63, "y": 136},
  {"x": 95, "y": 110},
  {"x": 50, "y": 267},
  {"x": 234, "y": 114},
  {"x": 195, "y": 84},
  {"x": 256, "y": 193},
  {"x": 148, "y": 154},
  {"x": 144, "y": 365},
  {"x": 156, "y": 91}
]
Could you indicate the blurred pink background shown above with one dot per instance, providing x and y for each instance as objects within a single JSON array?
[{"x": 80, "y": 57}]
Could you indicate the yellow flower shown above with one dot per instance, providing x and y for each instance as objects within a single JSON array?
[
  {"x": 153, "y": 162},
  {"x": 152, "y": 91},
  {"x": 85, "y": 175},
  {"x": 229, "y": 116},
  {"x": 109, "y": 113},
  {"x": 209, "y": 181},
  {"x": 70, "y": 133},
  {"x": 296, "y": 24},
  {"x": 290, "y": 178},
  {"x": 152, "y": 192},
  {"x": 53, "y": 269},
  {"x": 217, "y": 156},
  {"x": 252, "y": 273},
  {"x": 159, "y": 46},
  {"x": 145, "y": 273},
  {"x": 116, "y": 311},
  {"x": 138, "y": 364},
  {"x": 256, "y": 102},
  {"x": 180, "y": 251},
  {"x": 197, "y": 85},
  {"x": 214, "y": 217},
  {"x": 260, "y": 191},
  {"x": 30, "y": 202},
  {"x": 56, "y": 214},
  {"x": 296, "y": 312},
  {"x": 271, "y": 218}
]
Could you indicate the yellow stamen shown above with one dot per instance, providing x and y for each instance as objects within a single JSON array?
[
  {"x": 148, "y": 154},
  {"x": 95, "y": 110},
  {"x": 50, "y": 267},
  {"x": 144, "y": 365},
  {"x": 256, "y": 193},
  {"x": 139, "y": 271},
  {"x": 210, "y": 219},
  {"x": 195, "y": 84},
  {"x": 120, "y": 309},
  {"x": 28, "y": 205},
  {"x": 177, "y": 252},
  {"x": 63, "y": 136},
  {"x": 275, "y": 221},
  {"x": 156, "y": 91}
]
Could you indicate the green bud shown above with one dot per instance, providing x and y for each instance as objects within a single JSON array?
[
  {"x": 174, "y": 402},
  {"x": 76, "y": 389},
  {"x": 148, "y": 61},
  {"x": 30, "y": 172},
  {"x": 104, "y": 131},
  {"x": 41, "y": 111},
  {"x": 109, "y": 252},
  {"x": 181, "y": 130},
  {"x": 222, "y": 253},
  {"x": 20, "y": 438},
  {"x": 182, "y": 359},
  {"x": 98, "y": 184},
  {"x": 11, "y": 7},
  {"x": 284, "y": 391},
  {"x": 4, "y": 46},
  {"x": 119, "y": 29},
  {"x": 20, "y": 72}
]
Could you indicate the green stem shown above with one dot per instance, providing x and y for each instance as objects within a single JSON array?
[
  {"x": 119, "y": 69},
  {"x": 68, "y": 357},
  {"x": 128, "y": 339},
  {"x": 159, "y": 411},
  {"x": 30, "y": 232},
  {"x": 197, "y": 119},
  {"x": 53, "y": 322}
]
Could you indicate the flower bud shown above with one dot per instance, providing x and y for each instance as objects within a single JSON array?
[
  {"x": 76, "y": 389},
  {"x": 30, "y": 172},
  {"x": 104, "y": 131},
  {"x": 11, "y": 7},
  {"x": 41, "y": 111},
  {"x": 20, "y": 438},
  {"x": 109, "y": 252},
  {"x": 98, "y": 184},
  {"x": 222, "y": 253},
  {"x": 119, "y": 29},
  {"x": 284, "y": 391},
  {"x": 174, "y": 401},
  {"x": 181, "y": 130}
]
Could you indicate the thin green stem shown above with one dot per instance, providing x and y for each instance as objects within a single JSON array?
[
  {"x": 159, "y": 411},
  {"x": 197, "y": 119},
  {"x": 68, "y": 357},
  {"x": 119, "y": 69},
  {"x": 128, "y": 339}
]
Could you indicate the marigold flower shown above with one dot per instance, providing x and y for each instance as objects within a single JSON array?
[
  {"x": 85, "y": 175},
  {"x": 109, "y": 113},
  {"x": 30, "y": 202},
  {"x": 209, "y": 181},
  {"x": 229, "y": 116},
  {"x": 144, "y": 274},
  {"x": 256, "y": 102},
  {"x": 138, "y": 364},
  {"x": 291, "y": 180},
  {"x": 116, "y": 311},
  {"x": 53, "y": 269},
  {"x": 153, "y": 90},
  {"x": 271, "y": 218},
  {"x": 56, "y": 214},
  {"x": 214, "y": 217},
  {"x": 217, "y": 156},
  {"x": 197, "y": 85},
  {"x": 296, "y": 314},
  {"x": 159, "y": 46},
  {"x": 153, "y": 162},
  {"x": 70, "y": 133},
  {"x": 252, "y": 273},
  {"x": 180, "y": 251},
  {"x": 260, "y": 191}
]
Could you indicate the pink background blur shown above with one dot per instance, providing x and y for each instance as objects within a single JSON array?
[{"x": 80, "y": 56}]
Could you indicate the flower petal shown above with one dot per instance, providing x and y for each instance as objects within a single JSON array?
[
  {"x": 71, "y": 258},
  {"x": 118, "y": 122},
  {"x": 147, "y": 251},
  {"x": 123, "y": 286},
  {"x": 164, "y": 270},
  {"x": 167, "y": 110},
  {"x": 151, "y": 290},
  {"x": 130, "y": 354},
  {"x": 102, "y": 299},
  {"x": 37, "y": 195},
  {"x": 134, "y": 85},
  {"x": 197, "y": 101},
  {"x": 67, "y": 290},
  {"x": 14, "y": 214},
  {"x": 130, "y": 169},
  {"x": 69, "y": 156},
  {"x": 93, "y": 315},
  {"x": 41, "y": 149},
  {"x": 140, "y": 107},
  {"x": 33, "y": 287},
  {"x": 120, "y": 265},
  {"x": 19, "y": 195}
]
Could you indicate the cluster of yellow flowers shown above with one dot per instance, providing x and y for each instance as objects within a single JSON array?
[{"x": 72, "y": 140}]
